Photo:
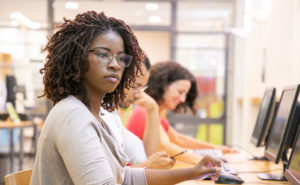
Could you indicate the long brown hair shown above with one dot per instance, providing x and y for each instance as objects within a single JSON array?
[{"x": 163, "y": 74}]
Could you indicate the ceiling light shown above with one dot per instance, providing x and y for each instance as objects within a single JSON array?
[
  {"x": 23, "y": 20},
  {"x": 14, "y": 23},
  {"x": 151, "y": 6},
  {"x": 71, "y": 5},
  {"x": 154, "y": 19}
]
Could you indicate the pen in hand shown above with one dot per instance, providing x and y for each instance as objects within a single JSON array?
[
  {"x": 144, "y": 88},
  {"x": 180, "y": 153},
  {"x": 141, "y": 89}
]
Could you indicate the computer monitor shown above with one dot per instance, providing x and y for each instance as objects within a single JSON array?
[
  {"x": 11, "y": 86},
  {"x": 292, "y": 173},
  {"x": 264, "y": 118},
  {"x": 283, "y": 130}
]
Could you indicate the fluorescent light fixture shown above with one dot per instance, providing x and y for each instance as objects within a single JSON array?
[
  {"x": 154, "y": 19},
  {"x": 151, "y": 6},
  {"x": 71, "y": 5},
  {"x": 14, "y": 23},
  {"x": 23, "y": 20}
]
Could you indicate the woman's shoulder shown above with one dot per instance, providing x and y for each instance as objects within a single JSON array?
[
  {"x": 69, "y": 108},
  {"x": 68, "y": 105}
]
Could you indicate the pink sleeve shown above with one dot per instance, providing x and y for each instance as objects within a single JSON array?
[
  {"x": 165, "y": 124},
  {"x": 137, "y": 121}
]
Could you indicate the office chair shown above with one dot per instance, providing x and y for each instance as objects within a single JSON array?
[{"x": 18, "y": 178}]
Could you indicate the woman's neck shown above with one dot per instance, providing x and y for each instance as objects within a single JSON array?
[
  {"x": 95, "y": 103},
  {"x": 162, "y": 110}
]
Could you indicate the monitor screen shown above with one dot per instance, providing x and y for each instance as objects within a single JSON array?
[
  {"x": 284, "y": 128},
  {"x": 264, "y": 118},
  {"x": 11, "y": 86},
  {"x": 292, "y": 172}
]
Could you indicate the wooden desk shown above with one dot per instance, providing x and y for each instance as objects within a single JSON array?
[
  {"x": 248, "y": 170},
  {"x": 10, "y": 126}
]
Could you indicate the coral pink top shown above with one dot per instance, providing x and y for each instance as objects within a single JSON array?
[{"x": 137, "y": 122}]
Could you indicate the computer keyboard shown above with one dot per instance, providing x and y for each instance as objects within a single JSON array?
[
  {"x": 227, "y": 168},
  {"x": 210, "y": 152}
]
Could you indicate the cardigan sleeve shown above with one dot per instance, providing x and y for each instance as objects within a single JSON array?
[{"x": 80, "y": 147}]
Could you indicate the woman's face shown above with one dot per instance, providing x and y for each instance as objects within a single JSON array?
[
  {"x": 175, "y": 94},
  {"x": 140, "y": 81},
  {"x": 104, "y": 77}
]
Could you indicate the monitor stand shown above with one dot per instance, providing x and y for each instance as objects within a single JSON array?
[
  {"x": 271, "y": 177},
  {"x": 276, "y": 177},
  {"x": 257, "y": 158}
]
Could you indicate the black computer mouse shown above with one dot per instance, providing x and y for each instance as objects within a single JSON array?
[{"x": 225, "y": 178}]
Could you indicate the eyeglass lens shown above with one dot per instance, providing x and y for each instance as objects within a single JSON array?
[{"x": 107, "y": 56}]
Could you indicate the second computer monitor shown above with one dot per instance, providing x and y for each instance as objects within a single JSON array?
[
  {"x": 285, "y": 124},
  {"x": 292, "y": 173},
  {"x": 264, "y": 118}
]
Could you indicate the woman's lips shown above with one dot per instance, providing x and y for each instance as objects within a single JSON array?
[{"x": 113, "y": 78}]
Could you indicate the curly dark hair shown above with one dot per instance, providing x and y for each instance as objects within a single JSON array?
[
  {"x": 67, "y": 62},
  {"x": 162, "y": 75}
]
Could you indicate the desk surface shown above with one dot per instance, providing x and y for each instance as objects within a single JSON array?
[
  {"x": 248, "y": 170},
  {"x": 10, "y": 124}
]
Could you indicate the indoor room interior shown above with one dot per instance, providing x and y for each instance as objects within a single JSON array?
[{"x": 236, "y": 50}]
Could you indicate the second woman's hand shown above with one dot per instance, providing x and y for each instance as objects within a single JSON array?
[
  {"x": 208, "y": 166},
  {"x": 144, "y": 100}
]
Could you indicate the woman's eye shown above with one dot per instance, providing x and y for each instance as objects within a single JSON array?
[{"x": 101, "y": 54}]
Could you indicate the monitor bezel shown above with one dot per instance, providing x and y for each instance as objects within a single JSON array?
[
  {"x": 261, "y": 139},
  {"x": 282, "y": 144},
  {"x": 288, "y": 174}
]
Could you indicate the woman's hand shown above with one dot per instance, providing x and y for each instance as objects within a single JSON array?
[
  {"x": 144, "y": 100},
  {"x": 227, "y": 149},
  {"x": 160, "y": 160},
  {"x": 208, "y": 166}
]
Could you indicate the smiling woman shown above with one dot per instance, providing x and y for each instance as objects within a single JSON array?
[{"x": 174, "y": 88}]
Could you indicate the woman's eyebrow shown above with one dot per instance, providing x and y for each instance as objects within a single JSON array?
[
  {"x": 107, "y": 49},
  {"x": 100, "y": 47}
]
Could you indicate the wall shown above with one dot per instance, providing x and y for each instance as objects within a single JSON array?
[
  {"x": 271, "y": 47},
  {"x": 156, "y": 45}
]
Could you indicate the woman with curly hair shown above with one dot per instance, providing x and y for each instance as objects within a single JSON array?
[
  {"x": 90, "y": 61},
  {"x": 174, "y": 88}
]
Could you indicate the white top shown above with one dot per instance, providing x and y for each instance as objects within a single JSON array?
[
  {"x": 74, "y": 148},
  {"x": 130, "y": 143}
]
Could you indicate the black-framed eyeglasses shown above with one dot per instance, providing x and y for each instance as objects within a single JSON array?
[{"x": 104, "y": 55}]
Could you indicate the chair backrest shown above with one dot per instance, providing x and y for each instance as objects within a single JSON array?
[{"x": 18, "y": 178}]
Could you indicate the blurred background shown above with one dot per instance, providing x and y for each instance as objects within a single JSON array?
[{"x": 235, "y": 48}]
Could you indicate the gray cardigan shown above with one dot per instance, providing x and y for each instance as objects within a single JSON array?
[{"x": 74, "y": 148}]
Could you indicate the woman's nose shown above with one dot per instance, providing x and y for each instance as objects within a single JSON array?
[
  {"x": 113, "y": 64},
  {"x": 182, "y": 98}
]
